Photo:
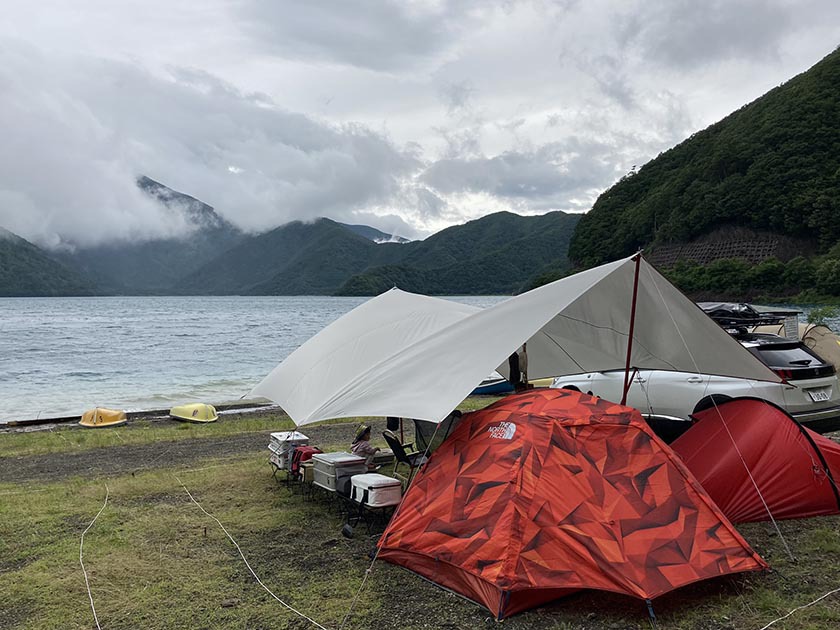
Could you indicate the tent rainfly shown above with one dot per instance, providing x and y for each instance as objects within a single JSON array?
[
  {"x": 550, "y": 491},
  {"x": 758, "y": 463},
  {"x": 402, "y": 354}
]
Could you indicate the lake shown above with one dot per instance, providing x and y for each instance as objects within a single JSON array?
[{"x": 61, "y": 356}]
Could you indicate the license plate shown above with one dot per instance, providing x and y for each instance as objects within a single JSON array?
[{"x": 819, "y": 395}]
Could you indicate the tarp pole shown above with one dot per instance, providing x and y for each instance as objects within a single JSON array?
[{"x": 638, "y": 259}]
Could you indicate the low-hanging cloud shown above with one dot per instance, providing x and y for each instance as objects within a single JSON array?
[
  {"x": 546, "y": 178},
  {"x": 408, "y": 116},
  {"x": 80, "y": 131}
]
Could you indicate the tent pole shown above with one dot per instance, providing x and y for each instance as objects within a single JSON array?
[{"x": 638, "y": 259}]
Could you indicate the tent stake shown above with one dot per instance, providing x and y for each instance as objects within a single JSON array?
[{"x": 638, "y": 259}]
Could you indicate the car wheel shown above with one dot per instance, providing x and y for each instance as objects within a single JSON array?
[{"x": 710, "y": 401}]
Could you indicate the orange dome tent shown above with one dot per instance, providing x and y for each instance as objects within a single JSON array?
[{"x": 551, "y": 491}]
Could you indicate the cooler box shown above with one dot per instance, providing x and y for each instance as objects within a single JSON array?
[
  {"x": 375, "y": 490},
  {"x": 332, "y": 471},
  {"x": 281, "y": 445}
]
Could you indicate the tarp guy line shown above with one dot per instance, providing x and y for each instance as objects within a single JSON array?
[
  {"x": 235, "y": 544},
  {"x": 81, "y": 562}
]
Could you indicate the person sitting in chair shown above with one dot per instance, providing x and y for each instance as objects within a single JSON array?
[{"x": 361, "y": 446}]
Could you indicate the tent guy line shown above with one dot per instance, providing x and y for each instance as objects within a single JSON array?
[
  {"x": 239, "y": 549},
  {"x": 81, "y": 561},
  {"x": 798, "y": 608},
  {"x": 755, "y": 484},
  {"x": 728, "y": 432}
]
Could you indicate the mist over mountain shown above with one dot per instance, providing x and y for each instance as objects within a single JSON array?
[
  {"x": 377, "y": 236},
  {"x": 499, "y": 253},
  {"x": 155, "y": 266},
  {"x": 747, "y": 209}
]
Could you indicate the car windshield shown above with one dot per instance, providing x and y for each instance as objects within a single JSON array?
[{"x": 791, "y": 356}]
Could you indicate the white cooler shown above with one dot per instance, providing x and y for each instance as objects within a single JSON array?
[
  {"x": 332, "y": 471},
  {"x": 381, "y": 491},
  {"x": 282, "y": 444}
]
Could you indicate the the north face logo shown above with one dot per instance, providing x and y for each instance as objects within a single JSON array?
[{"x": 504, "y": 431}]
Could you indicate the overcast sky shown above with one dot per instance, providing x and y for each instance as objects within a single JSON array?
[{"x": 406, "y": 115}]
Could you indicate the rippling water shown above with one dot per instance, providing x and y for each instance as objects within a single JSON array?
[{"x": 61, "y": 356}]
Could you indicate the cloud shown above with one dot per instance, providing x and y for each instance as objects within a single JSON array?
[
  {"x": 456, "y": 96},
  {"x": 687, "y": 34},
  {"x": 386, "y": 35},
  {"x": 79, "y": 131},
  {"x": 392, "y": 224},
  {"x": 434, "y": 112},
  {"x": 549, "y": 177}
]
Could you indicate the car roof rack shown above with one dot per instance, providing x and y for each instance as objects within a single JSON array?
[{"x": 740, "y": 316}]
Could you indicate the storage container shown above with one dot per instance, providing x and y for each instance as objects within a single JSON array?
[
  {"x": 332, "y": 471},
  {"x": 307, "y": 472},
  {"x": 375, "y": 490},
  {"x": 281, "y": 445},
  {"x": 278, "y": 460}
]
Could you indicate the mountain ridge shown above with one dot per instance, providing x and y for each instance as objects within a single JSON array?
[{"x": 488, "y": 255}]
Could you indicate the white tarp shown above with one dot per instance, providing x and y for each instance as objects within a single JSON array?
[
  {"x": 324, "y": 367},
  {"x": 402, "y": 354}
]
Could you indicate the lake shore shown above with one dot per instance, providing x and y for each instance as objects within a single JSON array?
[{"x": 226, "y": 408}]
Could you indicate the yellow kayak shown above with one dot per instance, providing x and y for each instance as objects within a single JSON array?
[
  {"x": 100, "y": 418},
  {"x": 194, "y": 412}
]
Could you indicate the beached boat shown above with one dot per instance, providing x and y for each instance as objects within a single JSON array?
[
  {"x": 493, "y": 385},
  {"x": 99, "y": 418},
  {"x": 194, "y": 412}
]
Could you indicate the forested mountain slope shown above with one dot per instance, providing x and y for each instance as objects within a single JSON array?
[
  {"x": 495, "y": 254},
  {"x": 499, "y": 253},
  {"x": 26, "y": 270},
  {"x": 772, "y": 168}
]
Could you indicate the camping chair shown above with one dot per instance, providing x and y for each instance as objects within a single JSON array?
[{"x": 413, "y": 459}]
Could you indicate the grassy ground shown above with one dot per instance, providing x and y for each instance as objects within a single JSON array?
[{"x": 155, "y": 560}]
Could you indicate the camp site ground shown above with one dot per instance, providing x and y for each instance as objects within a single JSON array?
[{"x": 155, "y": 560}]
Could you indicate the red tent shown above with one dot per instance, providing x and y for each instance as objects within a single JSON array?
[
  {"x": 551, "y": 491},
  {"x": 766, "y": 451}
]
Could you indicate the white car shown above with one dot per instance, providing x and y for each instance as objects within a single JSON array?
[{"x": 811, "y": 392}]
